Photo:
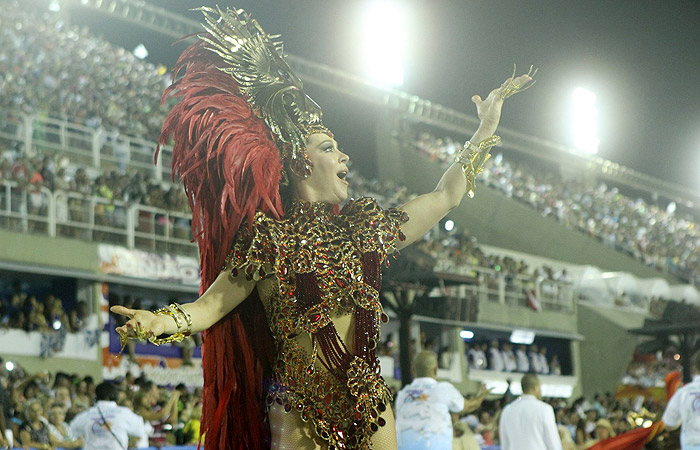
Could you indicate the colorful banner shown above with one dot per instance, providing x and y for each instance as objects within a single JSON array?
[{"x": 122, "y": 261}]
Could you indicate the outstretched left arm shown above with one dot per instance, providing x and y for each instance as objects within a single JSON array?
[{"x": 426, "y": 210}]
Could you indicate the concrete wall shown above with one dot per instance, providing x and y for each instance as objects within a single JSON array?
[
  {"x": 41, "y": 250},
  {"x": 608, "y": 346},
  {"x": 521, "y": 317}
]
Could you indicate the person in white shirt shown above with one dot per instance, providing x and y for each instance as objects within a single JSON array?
[
  {"x": 528, "y": 423},
  {"x": 684, "y": 410},
  {"x": 544, "y": 364},
  {"x": 107, "y": 426},
  {"x": 510, "y": 363},
  {"x": 534, "y": 355},
  {"x": 523, "y": 361},
  {"x": 495, "y": 357},
  {"x": 423, "y": 407},
  {"x": 477, "y": 357}
]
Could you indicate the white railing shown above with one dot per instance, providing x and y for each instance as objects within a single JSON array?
[
  {"x": 93, "y": 218},
  {"x": 85, "y": 146},
  {"x": 508, "y": 289}
]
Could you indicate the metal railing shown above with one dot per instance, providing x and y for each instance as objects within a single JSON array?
[
  {"x": 84, "y": 146},
  {"x": 30, "y": 209},
  {"x": 507, "y": 289}
]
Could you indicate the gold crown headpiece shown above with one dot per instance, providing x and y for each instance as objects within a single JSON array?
[{"x": 255, "y": 60}]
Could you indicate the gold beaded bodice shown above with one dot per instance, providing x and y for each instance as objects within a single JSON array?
[{"x": 324, "y": 265}]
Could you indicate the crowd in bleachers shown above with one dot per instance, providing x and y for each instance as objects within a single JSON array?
[
  {"x": 39, "y": 407},
  {"x": 56, "y": 172},
  {"x": 581, "y": 423},
  {"x": 661, "y": 238},
  {"x": 650, "y": 369},
  {"x": 49, "y": 67},
  {"x": 27, "y": 312}
]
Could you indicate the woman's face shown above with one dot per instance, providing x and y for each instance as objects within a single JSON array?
[
  {"x": 602, "y": 433},
  {"x": 57, "y": 415},
  {"x": 327, "y": 181},
  {"x": 34, "y": 412}
]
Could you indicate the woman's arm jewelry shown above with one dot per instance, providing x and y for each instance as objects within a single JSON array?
[
  {"x": 169, "y": 310},
  {"x": 472, "y": 158},
  {"x": 511, "y": 88},
  {"x": 186, "y": 315}
]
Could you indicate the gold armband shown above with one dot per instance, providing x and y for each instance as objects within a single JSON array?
[
  {"x": 178, "y": 313},
  {"x": 472, "y": 158}
]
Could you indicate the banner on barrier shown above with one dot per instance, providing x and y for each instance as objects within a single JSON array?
[{"x": 126, "y": 262}]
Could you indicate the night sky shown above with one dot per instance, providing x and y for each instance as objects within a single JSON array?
[{"x": 641, "y": 59}]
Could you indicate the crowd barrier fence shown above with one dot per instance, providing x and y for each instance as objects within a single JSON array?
[
  {"x": 85, "y": 146},
  {"x": 92, "y": 218}
]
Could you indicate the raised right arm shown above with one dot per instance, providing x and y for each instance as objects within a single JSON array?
[{"x": 224, "y": 294}]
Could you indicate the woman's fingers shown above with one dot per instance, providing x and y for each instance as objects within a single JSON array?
[{"x": 123, "y": 311}]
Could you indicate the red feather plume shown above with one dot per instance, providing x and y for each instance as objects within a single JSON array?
[{"x": 227, "y": 160}]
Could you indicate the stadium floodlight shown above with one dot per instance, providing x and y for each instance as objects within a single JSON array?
[
  {"x": 385, "y": 35},
  {"x": 449, "y": 225},
  {"x": 54, "y": 6},
  {"x": 140, "y": 51},
  {"x": 585, "y": 121}
]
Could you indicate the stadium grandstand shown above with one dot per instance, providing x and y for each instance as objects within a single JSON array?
[{"x": 556, "y": 265}]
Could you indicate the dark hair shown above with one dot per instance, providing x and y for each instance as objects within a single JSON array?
[
  {"x": 106, "y": 391},
  {"x": 529, "y": 382},
  {"x": 696, "y": 361}
]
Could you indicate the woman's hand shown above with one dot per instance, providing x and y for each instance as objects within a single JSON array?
[
  {"x": 142, "y": 324},
  {"x": 489, "y": 110}
]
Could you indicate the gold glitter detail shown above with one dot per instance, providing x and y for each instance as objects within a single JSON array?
[{"x": 343, "y": 410}]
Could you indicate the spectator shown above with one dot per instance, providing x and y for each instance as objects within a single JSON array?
[
  {"x": 534, "y": 357},
  {"x": 510, "y": 363},
  {"x": 603, "y": 430},
  {"x": 544, "y": 364},
  {"x": 60, "y": 432},
  {"x": 34, "y": 432},
  {"x": 6, "y": 435},
  {"x": 528, "y": 423},
  {"x": 682, "y": 410},
  {"x": 522, "y": 359},
  {"x": 495, "y": 357},
  {"x": 107, "y": 426},
  {"x": 423, "y": 407}
]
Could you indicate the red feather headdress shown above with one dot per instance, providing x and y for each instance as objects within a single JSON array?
[{"x": 241, "y": 113}]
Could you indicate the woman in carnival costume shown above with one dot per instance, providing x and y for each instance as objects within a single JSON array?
[{"x": 290, "y": 284}]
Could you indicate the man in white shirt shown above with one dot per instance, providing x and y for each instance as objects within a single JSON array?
[
  {"x": 107, "y": 426},
  {"x": 477, "y": 357},
  {"x": 528, "y": 423},
  {"x": 495, "y": 357},
  {"x": 534, "y": 355},
  {"x": 684, "y": 410},
  {"x": 544, "y": 364},
  {"x": 509, "y": 361},
  {"x": 423, "y": 407},
  {"x": 523, "y": 361}
]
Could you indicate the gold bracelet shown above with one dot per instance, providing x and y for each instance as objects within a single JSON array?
[
  {"x": 474, "y": 160},
  {"x": 177, "y": 337},
  {"x": 188, "y": 318},
  {"x": 168, "y": 310}
]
